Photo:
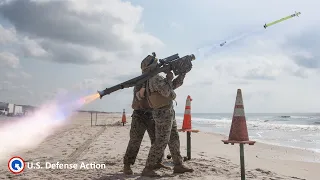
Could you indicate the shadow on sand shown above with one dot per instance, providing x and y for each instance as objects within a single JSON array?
[{"x": 121, "y": 176}]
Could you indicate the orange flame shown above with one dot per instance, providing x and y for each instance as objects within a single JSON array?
[{"x": 90, "y": 98}]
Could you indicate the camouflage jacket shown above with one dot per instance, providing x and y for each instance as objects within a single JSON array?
[{"x": 165, "y": 87}]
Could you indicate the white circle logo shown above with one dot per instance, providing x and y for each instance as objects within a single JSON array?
[{"x": 16, "y": 165}]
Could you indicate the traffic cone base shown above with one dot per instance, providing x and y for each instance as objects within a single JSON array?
[
  {"x": 188, "y": 130},
  {"x": 238, "y": 131},
  {"x": 238, "y": 142}
]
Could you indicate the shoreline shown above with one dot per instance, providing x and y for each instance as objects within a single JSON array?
[
  {"x": 275, "y": 142},
  {"x": 278, "y": 159},
  {"x": 302, "y": 151},
  {"x": 292, "y": 147},
  {"x": 106, "y": 144},
  {"x": 224, "y": 136},
  {"x": 309, "y": 150}
]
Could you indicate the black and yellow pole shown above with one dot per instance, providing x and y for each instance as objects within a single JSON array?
[
  {"x": 243, "y": 172},
  {"x": 189, "y": 145}
]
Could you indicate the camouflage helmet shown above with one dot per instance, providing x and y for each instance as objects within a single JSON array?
[{"x": 149, "y": 63}]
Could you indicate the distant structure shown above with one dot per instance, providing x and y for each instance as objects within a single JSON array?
[
  {"x": 27, "y": 109},
  {"x": 3, "y": 108},
  {"x": 10, "y": 109}
]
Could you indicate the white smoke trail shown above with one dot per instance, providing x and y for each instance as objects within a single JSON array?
[
  {"x": 215, "y": 47},
  {"x": 28, "y": 132},
  {"x": 243, "y": 36}
]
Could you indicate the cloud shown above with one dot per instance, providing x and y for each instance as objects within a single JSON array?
[
  {"x": 7, "y": 85},
  {"x": 265, "y": 71},
  {"x": 90, "y": 84},
  {"x": 251, "y": 65},
  {"x": 68, "y": 31},
  {"x": 89, "y": 45},
  {"x": 8, "y": 60},
  {"x": 17, "y": 74},
  {"x": 303, "y": 48},
  {"x": 7, "y": 35},
  {"x": 106, "y": 36},
  {"x": 10, "y": 67},
  {"x": 303, "y": 73},
  {"x": 258, "y": 57},
  {"x": 30, "y": 48}
]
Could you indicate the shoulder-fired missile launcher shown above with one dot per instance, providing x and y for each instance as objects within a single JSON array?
[{"x": 178, "y": 65}]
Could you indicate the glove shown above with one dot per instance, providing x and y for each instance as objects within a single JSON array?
[
  {"x": 169, "y": 76},
  {"x": 138, "y": 96},
  {"x": 141, "y": 92}
]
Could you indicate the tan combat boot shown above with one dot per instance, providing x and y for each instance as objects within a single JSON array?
[
  {"x": 160, "y": 165},
  {"x": 181, "y": 169},
  {"x": 149, "y": 172},
  {"x": 127, "y": 169}
]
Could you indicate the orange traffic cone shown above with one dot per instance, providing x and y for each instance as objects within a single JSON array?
[
  {"x": 238, "y": 131},
  {"x": 186, "y": 125},
  {"x": 124, "y": 118}
]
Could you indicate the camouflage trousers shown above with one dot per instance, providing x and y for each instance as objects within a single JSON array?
[
  {"x": 142, "y": 121},
  {"x": 166, "y": 134}
]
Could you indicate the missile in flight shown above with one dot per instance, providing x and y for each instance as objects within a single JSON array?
[{"x": 282, "y": 19}]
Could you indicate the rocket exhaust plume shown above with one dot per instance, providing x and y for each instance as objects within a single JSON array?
[{"x": 28, "y": 132}]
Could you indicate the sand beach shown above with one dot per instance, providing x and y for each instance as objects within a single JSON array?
[{"x": 96, "y": 152}]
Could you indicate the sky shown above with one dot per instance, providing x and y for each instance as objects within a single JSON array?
[{"x": 54, "y": 47}]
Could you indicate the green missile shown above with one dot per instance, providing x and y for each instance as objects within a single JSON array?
[{"x": 282, "y": 19}]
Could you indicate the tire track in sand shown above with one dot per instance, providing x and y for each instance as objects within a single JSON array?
[
  {"x": 61, "y": 133},
  {"x": 84, "y": 146}
]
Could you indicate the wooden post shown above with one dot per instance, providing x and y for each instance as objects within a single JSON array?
[
  {"x": 123, "y": 116},
  {"x": 243, "y": 174},
  {"x": 91, "y": 118},
  {"x": 96, "y": 118},
  {"x": 189, "y": 145}
]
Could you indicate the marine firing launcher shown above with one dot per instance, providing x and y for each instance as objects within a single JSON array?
[{"x": 178, "y": 65}]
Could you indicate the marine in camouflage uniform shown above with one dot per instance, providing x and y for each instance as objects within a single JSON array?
[
  {"x": 142, "y": 121},
  {"x": 165, "y": 122}
]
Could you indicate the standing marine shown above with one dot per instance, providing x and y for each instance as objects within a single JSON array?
[
  {"x": 160, "y": 95},
  {"x": 142, "y": 121}
]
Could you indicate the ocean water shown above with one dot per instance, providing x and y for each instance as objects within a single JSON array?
[
  {"x": 294, "y": 130},
  {"x": 290, "y": 130}
]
